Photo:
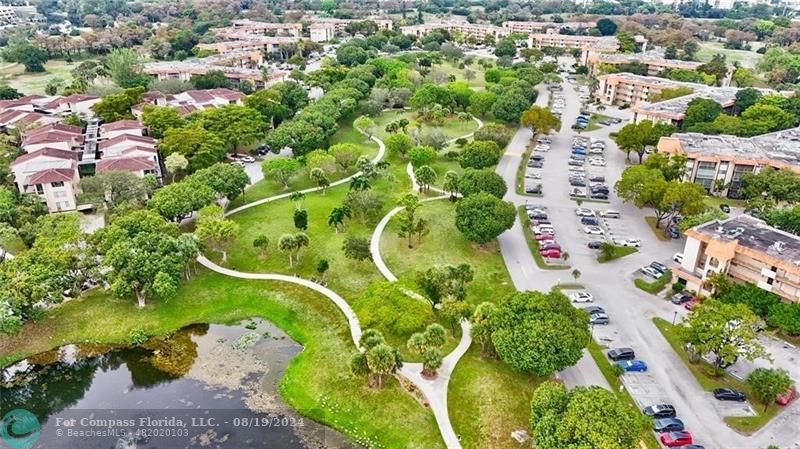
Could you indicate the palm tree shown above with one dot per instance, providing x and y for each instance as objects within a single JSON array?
[
  {"x": 287, "y": 245},
  {"x": 297, "y": 198},
  {"x": 383, "y": 359},
  {"x": 337, "y": 217},
  {"x": 301, "y": 241},
  {"x": 360, "y": 183}
]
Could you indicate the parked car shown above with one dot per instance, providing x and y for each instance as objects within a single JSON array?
[
  {"x": 247, "y": 159},
  {"x": 599, "y": 196},
  {"x": 536, "y": 157},
  {"x": 583, "y": 212},
  {"x": 535, "y": 164},
  {"x": 681, "y": 298},
  {"x": 673, "y": 232},
  {"x": 599, "y": 319},
  {"x": 545, "y": 235},
  {"x": 238, "y": 162},
  {"x": 650, "y": 271},
  {"x": 534, "y": 189},
  {"x": 657, "y": 411},
  {"x": 551, "y": 254},
  {"x": 786, "y": 397},
  {"x": 675, "y": 439},
  {"x": 593, "y": 310},
  {"x": 609, "y": 214},
  {"x": 263, "y": 150},
  {"x": 545, "y": 245},
  {"x": 725, "y": 208},
  {"x": 692, "y": 304},
  {"x": 729, "y": 394},
  {"x": 581, "y": 297},
  {"x": 595, "y": 244},
  {"x": 577, "y": 182},
  {"x": 677, "y": 257},
  {"x": 593, "y": 230},
  {"x": 632, "y": 366},
  {"x": 533, "y": 175},
  {"x": 573, "y": 161},
  {"x": 597, "y": 179},
  {"x": 577, "y": 191},
  {"x": 668, "y": 425},
  {"x": 659, "y": 266},
  {"x": 636, "y": 243},
  {"x": 590, "y": 221},
  {"x": 618, "y": 354}
]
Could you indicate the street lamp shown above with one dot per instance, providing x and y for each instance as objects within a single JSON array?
[{"x": 674, "y": 316}]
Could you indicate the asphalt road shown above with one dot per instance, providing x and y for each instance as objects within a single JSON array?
[{"x": 630, "y": 309}]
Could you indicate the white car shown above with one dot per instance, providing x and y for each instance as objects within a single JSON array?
[
  {"x": 597, "y": 162},
  {"x": 238, "y": 162},
  {"x": 650, "y": 271},
  {"x": 595, "y": 151},
  {"x": 247, "y": 159},
  {"x": 577, "y": 191},
  {"x": 581, "y": 297},
  {"x": 533, "y": 176},
  {"x": 631, "y": 242},
  {"x": 577, "y": 169},
  {"x": 677, "y": 257},
  {"x": 583, "y": 212},
  {"x": 593, "y": 230}
]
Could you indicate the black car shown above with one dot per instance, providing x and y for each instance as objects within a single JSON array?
[
  {"x": 577, "y": 182},
  {"x": 595, "y": 244},
  {"x": 668, "y": 425},
  {"x": 729, "y": 394},
  {"x": 725, "y": 208},
  {"x": 537, "y": 157},
  {"x": 599, "y": 196},
  {"x": 262, "y": 150},
  {"x": 598, "y": 179},
  {"x": 593, "y": 310},
  {"x": 618, "y": 354},
  {"x": 673, "y": 232},
  {"x": 659, "y": 411},
  {"x": 535, "y": 164}
]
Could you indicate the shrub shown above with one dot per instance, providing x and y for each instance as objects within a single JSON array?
[
  {"x": 137, "y": 336},
  {"x": 384, "y": 306}
]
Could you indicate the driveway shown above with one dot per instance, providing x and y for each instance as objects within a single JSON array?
[{"x": 630, "y": 309}]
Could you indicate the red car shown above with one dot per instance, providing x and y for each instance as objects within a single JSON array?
[
  {"x": 694, "y": 302},
  {"x": 786, "y": 397},
  {"x": 551, "y": 253},
  {"x": 544, "y": 236},
  {"x": 549, "y": 246},
  {"x": 675, "y": 439}
]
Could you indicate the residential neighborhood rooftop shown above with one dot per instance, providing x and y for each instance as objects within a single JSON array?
[
  {"x": 781, "y": 146},
  {"x": 755, "y": 234}
]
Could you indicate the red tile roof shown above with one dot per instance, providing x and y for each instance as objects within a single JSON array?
[
  {"x": 46, "y": 152},
  {"x": 53, "y": 137},
  {"x": 200, "y": 96},
  {"x": 52, "y": 175},
  {"x": 120, "y": 125},
  {"x": 9, "y": 116},
  {"x": 138, "y": 148},
  {"x": 56, "y": 127},
  {"x": 123, "y": 138},
  {"x": 126, "y": 164}
]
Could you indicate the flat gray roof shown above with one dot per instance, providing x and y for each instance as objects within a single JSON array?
[
  {"x": 755, "y": 234},
  {"x": 783, "y": 146}
]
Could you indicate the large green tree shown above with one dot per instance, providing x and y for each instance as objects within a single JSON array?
[
  {"x": 236, "y": 125},
  {"x": 540, "y": 119},
  {"x": 474, "y": 181},
  {"x": 768, "y": 383},
  {"x": 201, "y": 147},
  {"x": 160, "y": 119},
  {"x": 479, "y": 154},
  {"x": 482, "y": 217},
  {"x": 585, "y": 417},
  {"x": 539, "y": 333}
]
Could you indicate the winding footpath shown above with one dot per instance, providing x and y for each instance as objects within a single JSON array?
[{"x": 434, "y": 390}]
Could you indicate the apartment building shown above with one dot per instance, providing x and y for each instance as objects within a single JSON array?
[
  {"x": 718, "y": 162},
  {"x": 57, "y": 156},
  {"x": 541, "y": 27},
  {"x": 244, "y": 42},
  {"x": 586, "y": 44},
  {"x": 747, "y": 250},
  {"x": 478, "y": 31},
  {"x": 628, "y": 89},
  {"x": 238, "y": 66},
  {"x": 265, "y": 28},
  {"x": 190, "y": 101},
  {"x": 323, "y": 29},
  {"x": 653, "y": 59}
]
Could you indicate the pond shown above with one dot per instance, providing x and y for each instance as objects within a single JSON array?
[{"x": 209, "y": 386}]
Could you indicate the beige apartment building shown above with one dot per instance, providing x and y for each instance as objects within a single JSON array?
[
  {"x": 747, "y": 250},
  {"x": 325, "y": 29},
  {"x": 626, "y": 89},
  {"x": 541, "y": 27},
  {"x": 654, "y": 60},
  {"x": 718, "y": 162},
  {"x": 254, "y": 27},
  {"x": 478, "y": 31}
]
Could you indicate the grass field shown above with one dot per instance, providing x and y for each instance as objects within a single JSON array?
[
  {"x": 658, "y": 232},
  {"x": 619, "y": 252},
  {"x": 487, "y": 401},
  {"x": 701, "y": 371},
  {"x": 34, "y": 83},
  {"x": 477, "y": 83},
  {"x": 656, "y": 286},
  {"x": 747, "y": 59}
]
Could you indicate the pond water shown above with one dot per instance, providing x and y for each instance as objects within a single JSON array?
[{"x": 205, "y": 386}]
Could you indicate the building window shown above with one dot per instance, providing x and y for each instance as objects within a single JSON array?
[
  {"x": 57, "y": 184},
  {"x": 705, "y": 174},
  {"x": 40, "y": 189}
]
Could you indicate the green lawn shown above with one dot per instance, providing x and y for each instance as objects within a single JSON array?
[
  {"x": 34, "y": 83},
  {"x": 477, "y": 83},
  {"x": 317, "y": 383},
  {"x": 658, "y": 232},
  {"x": 452, "y": 127},
  {"x": 746, "y": 58},
  {"x": 533, "y": 244},
  {"x": 487, "y": 401},
  {"x": 594, "y": 122},
  {"x": 656, "y": 286},
  {"x": 445, "y": 245},
  {"x": 702, "y": 372},
  {"x": 614, "y": 381},
  {"x": 619, "y": 252},
  {"x": 716, "y": 201}
]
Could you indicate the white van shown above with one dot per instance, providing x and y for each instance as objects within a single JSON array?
[{"x": 609, "y": 214}]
